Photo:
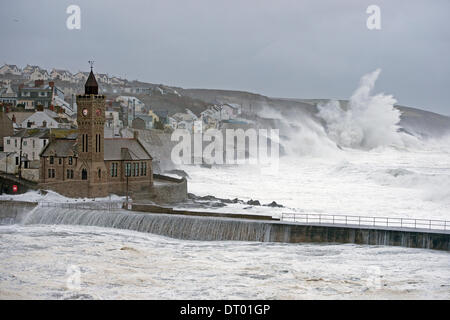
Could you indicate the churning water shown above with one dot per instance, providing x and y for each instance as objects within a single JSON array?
[{"x": 81, "y": 262}]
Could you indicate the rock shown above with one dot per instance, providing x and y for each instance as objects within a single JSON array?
[
  {"x": 273, "y": 204},
  {"x": 253, "y": 202}
]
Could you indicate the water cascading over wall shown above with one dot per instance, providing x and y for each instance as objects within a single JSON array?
[
  {"x": 180, "y": 227},
  {"x": 226, "y": 229}
]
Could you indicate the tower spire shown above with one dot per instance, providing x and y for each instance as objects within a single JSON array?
[{"x": 91, "y": 86}]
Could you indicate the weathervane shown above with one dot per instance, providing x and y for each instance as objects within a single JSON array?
[{"x": 91, "y": 62}]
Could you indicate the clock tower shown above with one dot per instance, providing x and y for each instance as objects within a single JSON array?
[{"x": 90, "y": 140}]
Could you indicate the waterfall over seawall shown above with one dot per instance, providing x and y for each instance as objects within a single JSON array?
[
  {"x": 225, "y": 229},
  {"x": 180, "y": 227}
]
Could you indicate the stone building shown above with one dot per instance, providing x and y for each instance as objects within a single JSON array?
[{"x": 90, "y": 165}]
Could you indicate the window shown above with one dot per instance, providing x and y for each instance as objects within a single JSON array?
[
  {"x": 25, "y": 143},
  {"x": 52, "y": 160},
  {"x": 34, "y": 143},
  {"x": 15, "y": 143},
  {"x": 99, "y": 173},
  {"x": 71, "y": 174},
  {"x": 45, "y": 142},
  {"x": 84, "y": 174},
  {"x": 53, "y": 173},
  {"x": 49, "y": 173},
  {"x": 60, "y": 161},
  {"x": 68, "y": 174},
  {"x": 70, "y": 160},
  {"x": 127, "y": 169},
  {"x": 137, "y": 169},
  {"x": 113, "y": 169},
  {"x": 17, "y": 161},
  {"x": 144, "y": 168},
  {"x": 8, "y": 141}
]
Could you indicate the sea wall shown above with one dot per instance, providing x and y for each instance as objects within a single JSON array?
[
  {"x": 14, "y": 211},
  {"x": 221, "y": 229},
  {"x": 165, "y": 190}
]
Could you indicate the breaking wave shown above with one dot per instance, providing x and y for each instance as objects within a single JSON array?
[{"x": 369, "y": 121}]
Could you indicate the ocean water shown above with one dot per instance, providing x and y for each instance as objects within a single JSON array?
[
  {"x": 386, "y": 182},
  {"x": 359, "y": 163},
  {"x": 79, "y": 262}
]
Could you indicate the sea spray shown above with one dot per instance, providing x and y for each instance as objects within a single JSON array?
[{"x": 368, "y": 122}]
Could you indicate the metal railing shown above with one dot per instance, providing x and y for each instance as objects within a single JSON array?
[
  {"x": 108, "y": 206},
  {"x": 366, "y": 221}
]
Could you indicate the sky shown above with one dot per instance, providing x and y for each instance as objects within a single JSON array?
[{"x": 278, "y": 48}]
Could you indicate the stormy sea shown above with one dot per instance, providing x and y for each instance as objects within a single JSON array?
[{"x": 348, "y": 159}]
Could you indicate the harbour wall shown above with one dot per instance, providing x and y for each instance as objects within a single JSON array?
[{"x": 228, "y": 229}]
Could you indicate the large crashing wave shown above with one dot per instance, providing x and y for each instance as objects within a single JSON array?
[{"x": 369, "y": 121}]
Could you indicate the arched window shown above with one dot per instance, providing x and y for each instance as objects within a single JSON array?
[{"x": 84, "y": 174}]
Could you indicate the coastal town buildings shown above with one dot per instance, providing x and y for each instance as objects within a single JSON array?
[{"x": 91, "y": 165}]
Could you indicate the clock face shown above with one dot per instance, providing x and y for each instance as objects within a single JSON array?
[
  {"x": 85, "y": 112},
  {"x": 98, "y": 112}
]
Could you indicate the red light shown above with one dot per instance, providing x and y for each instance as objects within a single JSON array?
[{"x": 14, "y": 188}]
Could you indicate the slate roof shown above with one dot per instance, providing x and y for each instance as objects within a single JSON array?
[
  {"x": 125, "y": 149},
  {"x": 91, "y": 85},
  {"x": 60, "y": 148},
  {"x": 114, "y": 149}
]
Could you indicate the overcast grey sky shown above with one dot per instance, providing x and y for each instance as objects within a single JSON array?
[{"x": 295, "y": 49}]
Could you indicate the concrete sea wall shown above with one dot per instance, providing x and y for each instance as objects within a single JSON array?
[{"x": 223, "y": 229}]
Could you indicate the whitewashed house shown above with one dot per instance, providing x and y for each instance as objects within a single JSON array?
[
  {"x": 39, "y": 74},
  {"x": 131, "y": 102},
  {"x": 62, "y": 75},
  {"x": 9, "y": 162},
  {"x": 29, "y": 70},
  {"x": 117, "y": 81},
  {"x": 185, "y": 120},
  {"x": 40, "y": 119},
  {"x": 103, "y": 78},
  {"x": 81, "y": 76},
  {"x": 10, "y": 69}
]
